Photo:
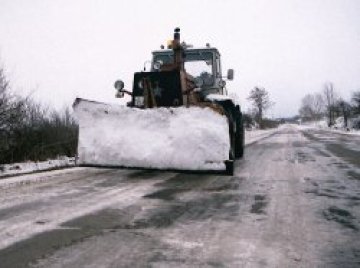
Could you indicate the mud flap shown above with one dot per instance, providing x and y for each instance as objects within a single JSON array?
[{"x": 229, "y": 167}]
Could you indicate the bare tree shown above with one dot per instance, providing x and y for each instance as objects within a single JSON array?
[
  {"x": 345, "y": 109},
  {"x": 261, "y": 102},
  {"x": 12, "y": 109},
  {"x": 330, "y": 101},
  {"x": 355, "y": 100},
  {"x": 312, "y": 107}
]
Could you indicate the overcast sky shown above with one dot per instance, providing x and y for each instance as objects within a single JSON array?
[{"x": 61, "y": 49}]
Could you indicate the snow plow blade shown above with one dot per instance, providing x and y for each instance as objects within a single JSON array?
[{"x": 158, "y": 138}]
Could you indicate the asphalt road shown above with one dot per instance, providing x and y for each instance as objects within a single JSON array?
[{"x": 294, "y": 201}]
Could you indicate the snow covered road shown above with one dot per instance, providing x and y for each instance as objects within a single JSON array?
[{"x": 294, "y": 201}]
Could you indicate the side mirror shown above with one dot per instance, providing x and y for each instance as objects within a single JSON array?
[
  {"x": 119, "y": 86},
  {"x": 230, "y": 74}
]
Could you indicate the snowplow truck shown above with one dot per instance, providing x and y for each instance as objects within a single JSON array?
[{"x": 179, "y": 116}]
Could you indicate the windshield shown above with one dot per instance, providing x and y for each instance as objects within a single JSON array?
[
  {"x": 199, "y": 63},
  {"x": 196, "y": 62}
]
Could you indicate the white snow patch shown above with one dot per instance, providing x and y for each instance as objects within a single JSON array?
[
  {"x": 166, "y": 138},
  {"x": 183, "y": 244},
  {"x": 218, "y": 97},
  {"x": 30, "y": 166}
]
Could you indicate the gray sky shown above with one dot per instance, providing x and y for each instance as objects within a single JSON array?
[{"x": 65, "y": 48}]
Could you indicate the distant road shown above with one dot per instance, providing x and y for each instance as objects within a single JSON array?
[{"x": 294, "y": 201}]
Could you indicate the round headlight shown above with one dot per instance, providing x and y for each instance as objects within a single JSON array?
[
  {"x": 222, "y": 83},
  {"x": 157, "y": 65}
]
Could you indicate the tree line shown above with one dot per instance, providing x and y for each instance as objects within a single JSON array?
[
  {"x": 32, "y": 131},
  {"x": 328, "y": 103}
]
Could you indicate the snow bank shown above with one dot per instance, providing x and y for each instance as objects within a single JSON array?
[
  {"x": 29, "y": 167},
  {"x": 166, "y": 138},
  {"x": 34, "y": 177},
  {"x": 339, "y": 126},
  {"x": 353, "y": 124}
]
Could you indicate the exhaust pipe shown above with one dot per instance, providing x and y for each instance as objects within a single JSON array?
[{"x": 178, "y": 50}]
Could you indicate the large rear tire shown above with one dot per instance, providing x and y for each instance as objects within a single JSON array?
[
  {"x": 229, "y": 167},
  {"x": 232, "y": 154},
  {"x": 239, "y": 141}
]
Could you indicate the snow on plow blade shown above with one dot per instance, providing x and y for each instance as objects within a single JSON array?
[{"x": 163, "y": 138}]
